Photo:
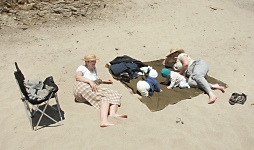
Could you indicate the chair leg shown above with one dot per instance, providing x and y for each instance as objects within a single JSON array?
[
  {"x": 59, "y": 110},
  {"x": 29, "y": 113},
  {"x": 43, "y": 113},
  {"x": 34, "y": 108}
]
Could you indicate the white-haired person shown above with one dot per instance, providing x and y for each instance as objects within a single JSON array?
[
  {"x": 196, "y": 70},
  {"x": 87, "y": 89},
  {"x": 149, "y": 85}
]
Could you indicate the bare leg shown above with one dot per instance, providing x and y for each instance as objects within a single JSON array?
[
  {"x": 104, "y": 109},
  {"x": 217, "y": 86},
  {"x": 212, "y": 97},
  {"x": 113, "y": 109}
]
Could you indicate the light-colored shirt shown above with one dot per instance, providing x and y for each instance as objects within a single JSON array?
[
  {"x": 175, "y": 79},
  {"x": 87, "y": 74},
  {"x": 178, "y": 65}
]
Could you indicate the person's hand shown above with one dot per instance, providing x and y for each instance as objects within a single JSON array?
[
  {"x": 93, "y": 86},
  {"x": 108, "y": 81},
  {"x": 163, "y": 63}
]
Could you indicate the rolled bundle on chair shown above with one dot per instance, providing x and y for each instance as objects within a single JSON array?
[{"x": 49, "y": 81}]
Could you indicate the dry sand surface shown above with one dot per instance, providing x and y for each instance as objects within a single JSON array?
[{"x": 144, "y": 30}]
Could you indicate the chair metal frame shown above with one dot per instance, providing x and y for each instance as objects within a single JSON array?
[{"x": 32, "y": 106}]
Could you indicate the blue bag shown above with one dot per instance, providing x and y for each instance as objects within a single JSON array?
[{"x": 117, "y": 69}]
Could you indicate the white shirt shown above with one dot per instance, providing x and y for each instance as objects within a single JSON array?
[
  {"x": 175, "y": 78},
  {"x": 87, "y": 74}
]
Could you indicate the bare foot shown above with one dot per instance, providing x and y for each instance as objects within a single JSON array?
[
  {"x": 106, "y": 124},
  {"x": 120, "y": 115},
  {"x": 212, "y": 98},
  {"x": 217, "y": 86}
]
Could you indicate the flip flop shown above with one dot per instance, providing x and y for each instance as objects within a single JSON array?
[
  {"x": 238, "y": 98},
  {"x": 232, "y": 99},
  {"x": 241, "y": 99}
]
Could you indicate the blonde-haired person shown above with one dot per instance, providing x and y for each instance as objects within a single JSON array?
[
  {"x": 87, "y": 89},
  {"x": 196, "y": 70}
]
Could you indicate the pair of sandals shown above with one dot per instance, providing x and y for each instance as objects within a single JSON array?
[{"x": 237, "y": 98}]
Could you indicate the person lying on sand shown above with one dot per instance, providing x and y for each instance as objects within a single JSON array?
[{"x": 196, "y": 70}]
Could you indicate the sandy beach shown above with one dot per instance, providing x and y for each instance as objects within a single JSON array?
[{"x": 220, "y": 32}]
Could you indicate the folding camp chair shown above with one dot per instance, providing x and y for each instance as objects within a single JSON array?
[{"x": 31, "y": 105}]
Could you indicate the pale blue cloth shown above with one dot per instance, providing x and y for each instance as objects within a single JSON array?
[
  {"x": 183, "y": 85},
  {"x": 35, "y": 89}
]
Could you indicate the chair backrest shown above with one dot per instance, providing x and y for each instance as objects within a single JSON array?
[{"x": 20, "y": 80}]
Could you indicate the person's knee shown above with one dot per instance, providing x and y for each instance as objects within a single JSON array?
[
  {"x": 196, "y": 77},
  {"x": 192, "y": 83}
]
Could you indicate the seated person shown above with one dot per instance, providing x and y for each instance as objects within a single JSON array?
[
  {"x": 175, "y": 79},
  {"x": 87, "y": 89},
  {"x": 149, "y": 85}
]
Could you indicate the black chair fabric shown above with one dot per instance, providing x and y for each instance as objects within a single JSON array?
[{"x": 49, "y": 81}]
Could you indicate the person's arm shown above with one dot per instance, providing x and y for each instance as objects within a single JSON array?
[
  {"x": 185, "y": 63},
  {"x": 157, "y": 86},
  {"x": 165, "y": 61},
  {"x": 168, "y": 64},
  {"x": 79, "y": 77},
  {"x": 172, "y": 84},
  {"x": 107, "y": 81},
  {"x": 100, "y": 81},
  {"x": 167, "y": 80}
]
